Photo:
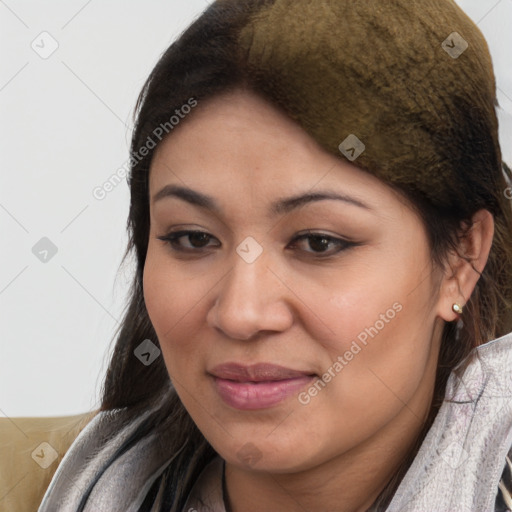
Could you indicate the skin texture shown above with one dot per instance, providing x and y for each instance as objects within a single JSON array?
[{"x": 296, "y": 309}]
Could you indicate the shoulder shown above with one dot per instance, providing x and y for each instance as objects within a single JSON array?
[{"x": 31, "y": 449}]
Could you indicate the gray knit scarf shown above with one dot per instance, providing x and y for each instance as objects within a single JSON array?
[{"x": 459, "y": 467}]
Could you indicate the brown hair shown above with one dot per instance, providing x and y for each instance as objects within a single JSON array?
[{"x": 337, "y": 68}]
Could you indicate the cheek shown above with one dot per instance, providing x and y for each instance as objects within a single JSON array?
[
  {"x": 174, "y": 304},
  {"x": 374, "y": 367},
  {"x": 358, "y": 303},
  {"x": 380, "y": 340}
]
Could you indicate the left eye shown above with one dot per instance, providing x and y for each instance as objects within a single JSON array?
[{"x": 320, "y": 243}]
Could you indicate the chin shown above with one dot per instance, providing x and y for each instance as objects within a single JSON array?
[{"x": 272, "y": 457}]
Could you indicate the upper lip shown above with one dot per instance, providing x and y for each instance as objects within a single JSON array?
[{"x": 256, "y": 372}]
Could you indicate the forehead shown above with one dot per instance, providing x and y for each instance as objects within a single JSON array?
[{"x": 239, "y": 146}]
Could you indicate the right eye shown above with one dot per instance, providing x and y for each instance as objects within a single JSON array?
[{"x": 197, "y": 240}]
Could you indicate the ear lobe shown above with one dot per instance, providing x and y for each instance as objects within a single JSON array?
[{"x": 465, "y": 267}]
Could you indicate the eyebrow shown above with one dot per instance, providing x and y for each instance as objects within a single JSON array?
[{"x": 281, "y": 206}]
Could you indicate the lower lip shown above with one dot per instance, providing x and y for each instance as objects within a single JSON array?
[{"x": 258, "y": 395}]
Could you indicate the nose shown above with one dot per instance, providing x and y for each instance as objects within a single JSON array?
[{"x": 251, "y": 299}]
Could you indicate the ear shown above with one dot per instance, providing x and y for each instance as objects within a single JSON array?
[{"x": 464, "y": 267}]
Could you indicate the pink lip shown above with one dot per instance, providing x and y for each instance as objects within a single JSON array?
[{"x": 257, "y": 386}]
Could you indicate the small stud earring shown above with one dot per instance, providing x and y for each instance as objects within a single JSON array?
[{"x": 457, "y": 308}]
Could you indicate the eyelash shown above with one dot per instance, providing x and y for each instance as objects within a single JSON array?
[{"x": 172, "y": 240}]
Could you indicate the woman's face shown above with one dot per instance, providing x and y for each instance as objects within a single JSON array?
[{"x": 339, "y": 294}]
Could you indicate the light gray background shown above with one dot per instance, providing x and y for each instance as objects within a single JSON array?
[{"x": 65, "y": 126}]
